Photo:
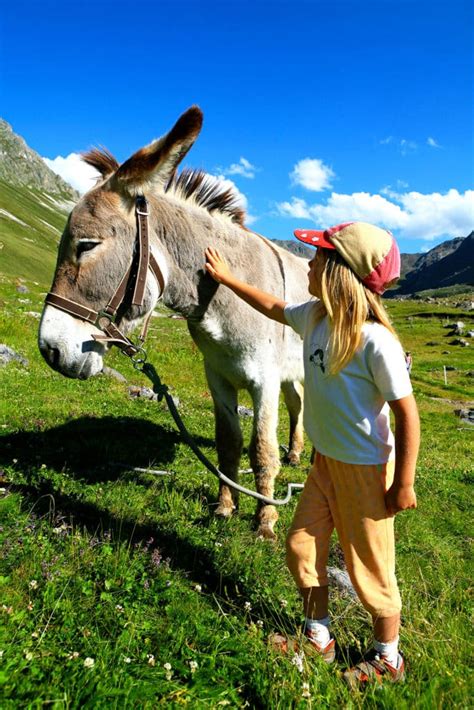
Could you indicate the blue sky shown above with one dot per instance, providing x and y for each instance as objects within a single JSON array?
[{"x": 319, "y": 112}]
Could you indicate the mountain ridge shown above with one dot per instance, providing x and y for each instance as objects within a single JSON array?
[
  {"x": 35, "y": 201},
  {"x": 21, "y": 165}
]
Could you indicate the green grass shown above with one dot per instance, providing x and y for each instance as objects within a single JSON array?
[
  {"x": 133, "y": 570},
  {"x": 28, "y": 244}
]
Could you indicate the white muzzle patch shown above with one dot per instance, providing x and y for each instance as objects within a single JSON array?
[{"x": 67, "y": 345}]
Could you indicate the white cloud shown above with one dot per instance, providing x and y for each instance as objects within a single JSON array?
[
  {"x": 244, "y": 168},
  {"x": 434, "y": 215},
  {"x": 296, "y": 208},
  {"x": 312, "y": 174},
  {"x": 432, "y": 142},
  {"x": 411, "y": 214},
  {"x": 404, "y": 145},
  {"x": 407, "y": 146},
  {"x": 73, "y": 170}
]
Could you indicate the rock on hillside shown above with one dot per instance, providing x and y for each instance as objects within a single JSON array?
[{"x": 20, "y": 165}]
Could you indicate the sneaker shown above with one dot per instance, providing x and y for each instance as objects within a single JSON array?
[
  {"x": 327, "y": 653},
  {"x": 375, "y": 668}
]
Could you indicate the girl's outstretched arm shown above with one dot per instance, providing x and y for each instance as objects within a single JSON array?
[
  {"x": 401, "y": 494},
  {"x": 265, "y": 303}
]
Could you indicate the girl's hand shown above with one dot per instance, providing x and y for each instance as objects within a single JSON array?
[
  {"x": 217, "y": 266},
  {"x": 399, "y": 498}
]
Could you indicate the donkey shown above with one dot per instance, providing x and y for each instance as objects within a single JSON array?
[{"x": 241, "y": 348}]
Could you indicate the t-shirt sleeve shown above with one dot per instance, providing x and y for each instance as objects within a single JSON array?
[
  {"x": 388, "y": 366},
  {"x": 296, "y": 315}
]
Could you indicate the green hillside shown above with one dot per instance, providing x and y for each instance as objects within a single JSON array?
[{"x": 31, "y": 223}]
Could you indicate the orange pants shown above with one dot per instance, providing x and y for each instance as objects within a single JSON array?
[{"x": 349, "y": 498}]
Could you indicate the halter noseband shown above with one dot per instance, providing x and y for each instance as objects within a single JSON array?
[{"x": 135, "y": 277}]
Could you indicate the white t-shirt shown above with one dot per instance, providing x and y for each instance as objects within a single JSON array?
[{"x": 346, "y": 415}]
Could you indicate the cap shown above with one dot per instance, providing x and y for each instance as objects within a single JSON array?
[{"x": 371, "y": 252}]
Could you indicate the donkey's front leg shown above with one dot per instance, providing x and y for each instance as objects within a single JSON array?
[
  {"x": 264, "y": 452},
  {"x": 228, "y": 438}
]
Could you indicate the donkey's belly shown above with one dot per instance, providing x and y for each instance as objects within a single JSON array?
[{"x": 245, "y": 364}]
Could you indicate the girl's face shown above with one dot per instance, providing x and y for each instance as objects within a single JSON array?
[{"x": 316, "y": 266}]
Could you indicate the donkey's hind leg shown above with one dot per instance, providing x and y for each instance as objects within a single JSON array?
[
  {"x": 264, "y": 452},
  {"x": 228, "y": 438},
  {"x": 293, "y": 394}
]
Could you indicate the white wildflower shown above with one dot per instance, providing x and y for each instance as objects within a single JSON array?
[
  {"x": 28, "y": 655},
  {"x": 34, "y": 635},
  {"x": 247, "y": 606},
  {"x": 167, "y": 666},
  {"x": 151, "y": 659},
  {"x": 168, "y": 669},
  {"x": 198, "y": 588},
  {"x": 127, "y": 659},
  {"x": 89, "y": 662},
  {"x": 33, "y": 584},
  {"x": 72, "y": 656},
  {"x": 305, "y": 692},
  {"x": 118, "y": 608},
  {"x": 297, "y": 661},
  {"x": 193, "y": 666},
  {"x": 283, "y": 603},
  {"x": 260, "y": 624}
]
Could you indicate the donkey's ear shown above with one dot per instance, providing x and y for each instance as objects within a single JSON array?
[{"x": 152, "y": 166}]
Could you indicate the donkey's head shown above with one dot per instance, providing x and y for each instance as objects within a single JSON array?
[{"x": 97, "y": 246}]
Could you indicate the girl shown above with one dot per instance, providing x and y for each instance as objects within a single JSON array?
[{"x": 362, "y": 475}]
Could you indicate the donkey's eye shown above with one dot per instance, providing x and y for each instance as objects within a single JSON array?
[{"x": 85, "y": 246}]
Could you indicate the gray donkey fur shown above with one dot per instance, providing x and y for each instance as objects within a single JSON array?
[{"x": 241, "y": 348}]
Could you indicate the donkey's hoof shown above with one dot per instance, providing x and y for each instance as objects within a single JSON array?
[
  {"x": 292, "y": 459},
  {"x": 225, "y": 511},
  {"x": 266, "y": 532}
]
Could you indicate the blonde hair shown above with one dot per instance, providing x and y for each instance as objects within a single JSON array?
[{"x": 348, "y": 304}]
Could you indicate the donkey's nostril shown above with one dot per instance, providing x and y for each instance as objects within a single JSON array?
[
  {"x": 54, "y": 357},
  {"x": 51, "y": 355}
]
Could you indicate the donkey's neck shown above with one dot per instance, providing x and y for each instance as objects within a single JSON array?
[{"x": 184, "y": 232}]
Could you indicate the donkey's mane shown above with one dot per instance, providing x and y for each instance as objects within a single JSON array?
[
  {"x": 207, "y": 192},
  {"x": 196, "y": 184},
  {"x": 101, "y": 160}
]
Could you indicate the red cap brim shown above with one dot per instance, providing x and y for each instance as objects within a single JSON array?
[{"x": 314, "y": 238}]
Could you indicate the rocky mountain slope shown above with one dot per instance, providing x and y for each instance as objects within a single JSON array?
[
  {"x": 22, "y": 166},
  {"x": 34, "y": 204},
  {"x": 448, "y": 264}
]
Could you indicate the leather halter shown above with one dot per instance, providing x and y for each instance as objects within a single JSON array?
[{"x": 135, "y": 277}]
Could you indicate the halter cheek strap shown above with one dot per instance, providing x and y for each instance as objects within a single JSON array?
[{"x": 135, "y": 277}]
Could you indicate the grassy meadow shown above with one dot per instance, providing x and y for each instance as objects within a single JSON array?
[{"x": 120, "y": 589}]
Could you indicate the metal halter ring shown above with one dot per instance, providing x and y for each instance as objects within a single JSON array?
[
  {"x": 100, "y": 317},
  {"x": 139, "y": 358}
]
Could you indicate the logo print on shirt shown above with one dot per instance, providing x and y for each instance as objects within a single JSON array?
[{"x": 317, "y": 358}]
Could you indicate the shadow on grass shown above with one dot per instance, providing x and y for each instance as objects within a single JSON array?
[
  {"x": 90, "y": 447},
  {"x": 191, "y": 558}
]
